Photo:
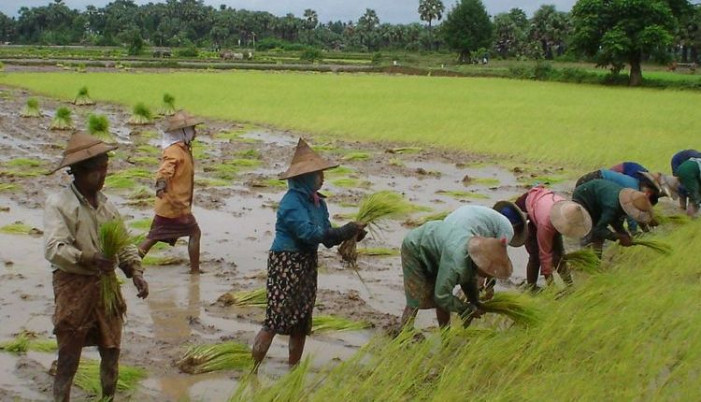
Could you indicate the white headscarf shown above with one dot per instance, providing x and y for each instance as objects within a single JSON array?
[{"x": 186, "y": 135}]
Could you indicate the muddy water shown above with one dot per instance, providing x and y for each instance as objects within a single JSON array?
[{"x": 238, "y": 227}]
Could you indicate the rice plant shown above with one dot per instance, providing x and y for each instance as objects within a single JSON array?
[
  {"x": 438, "y": 216},
  {"x": 249, "y": 298},
  {"x": 31, "y": 109},
  {"x": 215, "y": 357},
  {"x": 655, "y": 245},
  {"x": 83, "y": 98},
  {"x": 583, "y": 260},
  {"x": 515, "y": 306},
  {"x": 62, "y": 120},
  {"x": 28, "y": 340},
  {"x": 674, "y": 219},
  {"x": 113, "y": 238},
  {"x": 328, "y": 323},
  {"x": 99, "y": 126},
  {"x": 141, "y": 115},
  {"x": 87, "y": 377},
  {"x": 168, "y": 105}
]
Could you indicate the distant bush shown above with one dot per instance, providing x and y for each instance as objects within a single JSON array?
[
  {"x": 187, "y": 52},
  {"x": 311, "y": 54},
  {"x": 376, "y": 58}
]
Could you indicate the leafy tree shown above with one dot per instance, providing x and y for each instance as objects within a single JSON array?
[
  {"x": 367, "y": 29},
  {"x": 467, "y": 28},
  {"x": 311, "y": 19},
  {"x": 616, "y": 32},
  {"x": 511, "y": 31},
  {"x": 430, "y": 10},
  {"x": 550, "y": 28}
]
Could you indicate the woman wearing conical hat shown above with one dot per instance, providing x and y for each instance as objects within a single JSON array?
[
  {"x": 175, "y": 181},
  {"x": 550, "y": 216},
  {"x": 302, "y": 224}
]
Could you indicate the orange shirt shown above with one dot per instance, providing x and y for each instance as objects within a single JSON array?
[{"x": 178, "y": 170}]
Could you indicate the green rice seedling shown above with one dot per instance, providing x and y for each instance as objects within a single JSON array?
[
  {"x": 148, "y": 149},
  {"x": 356, "y": 156},
  {"x": 583, "y": 260},
  {"x": 395, "y": 162},
  {"x": 463, "y": 194},
  {"x": 140, "y": 193},
  {"x": 328, "y": 323},
  {"x": 655, "y": 245},
  {"x": 161, "y": 261},
  {"x": 349, "y": 182},
  {"x": 19, "y": 228},
  {"x": 62, "y": 120},
  {"x": 83, "y": 98},
  {"x": 87, "y": 377},
  {"x": 31, "y": 109},
  {"x": 250, "y": 163},
  {"x": 168, "y": 105},
  {"x": 145, "y": 160},
  {"x": 8, "y": 187},
  {"x": 113, "y": 238},
  {"x": 28, "y": 340},
  {"x": 81, "y": 68},
  {"x": 378, "y": 252},
  {"x": 404, "y": 150},
  {"x": 140, "y": 115},
  {"x": 24, "y": 163},
  {"x": 99, "y": 126},
  {"x": 517, "y": 307},
  {"x": 482, "y": 181},
  {"x": 141, "y": 224},
  {"x": 438, "y": 216},
  {"x": 216, "y": 357},
  {"x": 340, "y": 170},
  {"x": 248, "y": 298},
  {"x": 211, "y": 182},
  {"x": 125, "y": 179},
  {"x": 249, "y": 154},
  {"x": 674, "y": 219}
]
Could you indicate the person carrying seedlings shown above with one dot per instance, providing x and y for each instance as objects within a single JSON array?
[
  {"x": 607, "y": 204},
  {"x": 302, "y": 224},
  {"x": 678, "y": 189},
  {"x": 689, "y": 176},
  {"x": 72, "y": 219},
  {"x": 550, "y": 216},
  {"x": 175, "y": 181},
  {"x": 439, "y": 255}
]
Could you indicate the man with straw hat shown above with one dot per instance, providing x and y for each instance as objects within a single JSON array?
[
  {"x": 175, "y": 181},
  {"x": 608, "y": 203},
  {"x": 302, "y": 224},
  {"x": 550, "y": 216},
  {"x": 439, "y": 255},
  {"x": 72, "y": 219}
]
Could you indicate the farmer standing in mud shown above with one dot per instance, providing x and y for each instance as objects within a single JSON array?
[
  {"x": 302, "y": 224},
  {"x": 439, "y": 255},
  {"x": 175, "y": 181},
  {"x": 71, "y": 225},
  {"x": 608, "y": 204},
  {"x": 550, "y": 216}
]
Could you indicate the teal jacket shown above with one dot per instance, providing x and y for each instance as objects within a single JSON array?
[
  {"x": 600, "y": 199},
  {"x": 441, "y": 246}
]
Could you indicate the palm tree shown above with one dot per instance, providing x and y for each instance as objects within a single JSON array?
[{"x": 430, "y": 10}]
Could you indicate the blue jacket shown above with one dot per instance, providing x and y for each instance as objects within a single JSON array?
[{"x": 683, "y": 156}]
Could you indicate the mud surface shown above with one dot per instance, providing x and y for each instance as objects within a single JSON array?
[{"x": 236, "y": 211}]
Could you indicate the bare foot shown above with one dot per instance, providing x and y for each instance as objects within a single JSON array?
[{"x": 196, "y": 271}]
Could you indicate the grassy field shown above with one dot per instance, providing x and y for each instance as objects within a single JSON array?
[{"x": 578, "y": 126}]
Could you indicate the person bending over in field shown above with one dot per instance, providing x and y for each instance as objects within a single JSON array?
[
  {"x": 689, "y": 176},
  {"x": 678, "y": 189}
]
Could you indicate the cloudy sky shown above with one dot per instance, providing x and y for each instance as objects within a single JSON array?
[{"x": 392, "y": 11}]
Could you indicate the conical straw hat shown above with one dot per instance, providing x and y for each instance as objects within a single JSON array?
[
  {"x": 490, "y": 255},
  {"x": 306, "y": 160},
  {"x": 81, "y": 147},
  {"x": 570, "y": 219},
  {"x": 636, "y": 205},
  {"x": 519, "y": 238},
  {"x": 669, "y": 185},
  {"x": 181, "y": 119},
  {"x": 654, "y": 181}
]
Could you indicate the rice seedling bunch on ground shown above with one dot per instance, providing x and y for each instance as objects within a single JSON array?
[
  {"x": 141, "y": 115},
  {"x": 99, "y": 126},
  {"x": 674, "y": 219},
  {"x": 654, "y": 245},
  {"x": 168, "y": 105},
  {"x": 372, "y": 210},
  {"x": 327, "y": 323},
  {"x": 518, "y": 307},
  {"x": 83, "y": 98},
  {"x": 62, "y": 120},
  {"x": 113, "y": 237},
  {"x": 215, "y": 357},
  {"x": 249, "y": 298},
  {"x": 31, "y": 109},
  {"x": 583, "y": 260},
  {"x": 28, "y": 340},
  {"x": 87, "y": 377}
]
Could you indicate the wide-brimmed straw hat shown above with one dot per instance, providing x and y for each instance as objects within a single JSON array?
[
  {"x": 653, "y": 180},
  {"x": 520, "y": 237},
  {"x": 306, "y": 160},
  {"x": 490, "y": 255},
  {"x": 181, "y": 119},
  {"x": 668, "y": 185},
  {"x": 570, "y": 219},
  {"x": 81, "y": 147},
  {"x": 636, "y": 205}
]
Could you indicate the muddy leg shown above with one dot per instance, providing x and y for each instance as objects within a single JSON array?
[
  {"x": 562, "y": 268},
  {"x": 296, "y": 347},
  {"x": 443, "y": 317},
  {"x": 193, "y": 249},
  {"x": 109, "y": 372},
  {"x": 70, "y": 347},
  {"x": 682, "y": 202},
  {"x": 532, "y": 271},
  {"x": 145, "y": 246},
  {"x": 598, "y": 246},
  {"x": 261, "y": 344},
  {"x": 408, "y": 317}
]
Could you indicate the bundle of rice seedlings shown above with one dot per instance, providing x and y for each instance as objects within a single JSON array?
[
  {"x": 168, "y": 105},
  {"x": 438, "y": 216},
  {"x": 676, "y": 219},
  {"x": 514, "y": 306},
  {"x": 249, "y": 298},
  {"x": 31, "y": 109},
  {"x": 655, "y": 245},
  {"x": 216, "y": 357},
  {"x": 113, "y": 237},
  {"x": 372, "y": 210},
  {"x": 141, "y": 115},
  {"x": 28, "y": 340},
  {"x": 62, "y": 120},
  {"x": 584, "y": 260},
  {"x": 83, "y": 98},
  {"x": 88, "y": 377},
  {"x": 99, "y": 126},
  {"x": 326, "y": 323}
]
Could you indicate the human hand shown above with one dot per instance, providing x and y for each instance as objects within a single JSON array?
[
  {"x": 361, "y": 234},
  {"x": 141, "y": 285},
  {"x": 160, "y": 193},
  {"x": 98, "y": 260},
  {"x": 488, "y": 293}
]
